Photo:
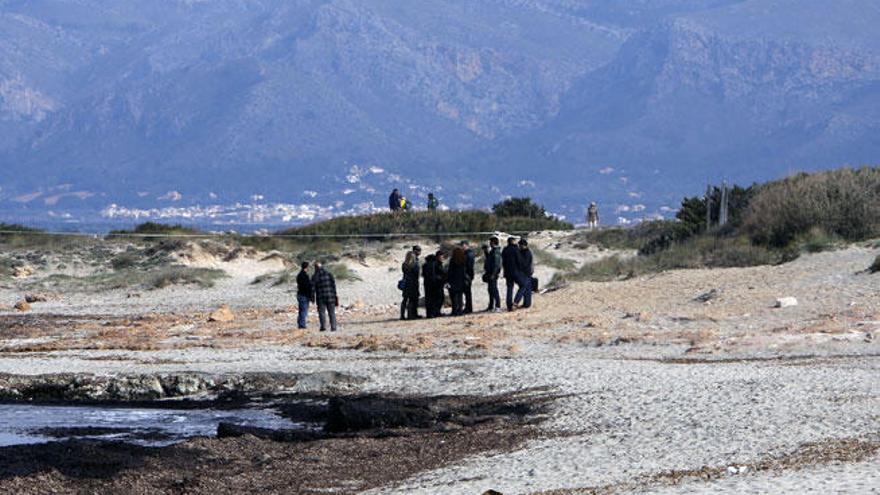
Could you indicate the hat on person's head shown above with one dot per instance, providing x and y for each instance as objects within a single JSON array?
[
  {"x": 523, "y": 242},
  {"x": 417, "y": 249}
]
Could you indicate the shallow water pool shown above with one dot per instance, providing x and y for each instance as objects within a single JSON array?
[{"x": 29, "y": 424}]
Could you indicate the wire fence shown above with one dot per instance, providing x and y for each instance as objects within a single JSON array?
[{"x": 226, "y": 235}]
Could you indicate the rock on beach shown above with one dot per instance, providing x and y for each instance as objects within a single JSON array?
[{"x": 223, "y": 314}]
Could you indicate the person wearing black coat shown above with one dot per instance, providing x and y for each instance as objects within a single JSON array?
[
  {"x": 394, "y": 200},
  {"x": 409, "y": 307},
  {"x": 303, "y": 295},
  {"x": 525, "y": 270},
  {"x": 510, "y": 262},
  {"x": 491, "y": 272},
  {"x": 458, "y": 279},
  {"x": 325, "y": 296},
  {"x": 434, "y": 276},
  {"x": 471, "y": 274}
]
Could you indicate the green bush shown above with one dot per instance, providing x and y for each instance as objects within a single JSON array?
[
  {"x": 817, "y": 241},
  {"x": 124, "y": 261},
  {"x": 843, "y": 203},
  {"x": 645, "y": 237},
  {"x": 519, "y": 207},
  {"x": 706, "y": 251},
  {"x": 159, "y": 229}
]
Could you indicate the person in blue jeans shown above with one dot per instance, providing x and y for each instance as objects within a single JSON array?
[{"x": 303, "y": 295}]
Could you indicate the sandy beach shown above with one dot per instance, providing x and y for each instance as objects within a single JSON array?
[{"x": 688, "y": 381}]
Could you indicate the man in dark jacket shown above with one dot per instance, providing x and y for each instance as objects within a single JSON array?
[
  {"x": 324, "y": 290},
  {"x": 491, "y": 271},
  {"x": 394, "y": 200},
  {"x": 434, "y": 276},
  {"x": 509, "y": 262},
  {"x": 303, "y": 295},
  {"x": 525, "y": 270},
  {"x": 470, "y": 273},
  {"x": 410, "y": 309},
  {"x": 457, "y": 278}
]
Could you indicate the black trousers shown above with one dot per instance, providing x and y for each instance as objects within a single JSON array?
[
  {"x": 433, "y": 301},
  {"x": 494, "y": 295},
  {"x": 457, "y": 296},
  {"x": 409, "y": 307},
  {"x": 468, "y": 299},
  {"x": 510, "y": 283}
]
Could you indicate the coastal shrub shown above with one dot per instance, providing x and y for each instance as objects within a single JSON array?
[
  {"x": 124, "y": 261},
  {"x": 707, "y": 251},
  {"x": 183, "y": 275},
  {"x": 130, "y": 278},
  {"x": 645, "y": 237},
  {"x": 519, "y": 207},
  {"x": 551, "y": 260},
  {"x": 7, "y": 266},
  {"x": 843, "y": 203},
  {"x": 342, "y": 273},
  {"x": 157, "y": 229},
  {"x": 18, "y": 236},
  {"x": 816, "y": 240}
]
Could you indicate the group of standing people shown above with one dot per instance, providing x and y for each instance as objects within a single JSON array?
[
  {"x": 398, "y": 202},
  {"x": 320, "y": 289},
  {"x": 515, "y": 262}
]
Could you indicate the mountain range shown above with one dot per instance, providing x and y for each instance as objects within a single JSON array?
[{"x": 127, "y": 109}]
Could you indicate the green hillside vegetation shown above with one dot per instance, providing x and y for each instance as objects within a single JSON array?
[{"x": 425, "y": 223}]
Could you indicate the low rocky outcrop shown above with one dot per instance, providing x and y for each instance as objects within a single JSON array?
[
  {"x": 36, "y": 298},
  {"x": 223, "y": 314},
  {"x": 148, "y": 387}
]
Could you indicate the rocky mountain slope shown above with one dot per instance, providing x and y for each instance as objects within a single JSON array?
[{"x": 632, "y": 104}]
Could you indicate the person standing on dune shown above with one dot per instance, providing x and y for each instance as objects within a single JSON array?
[
  {"x": 394, "y": 200},
  {"x": 593, "y": 216}
]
